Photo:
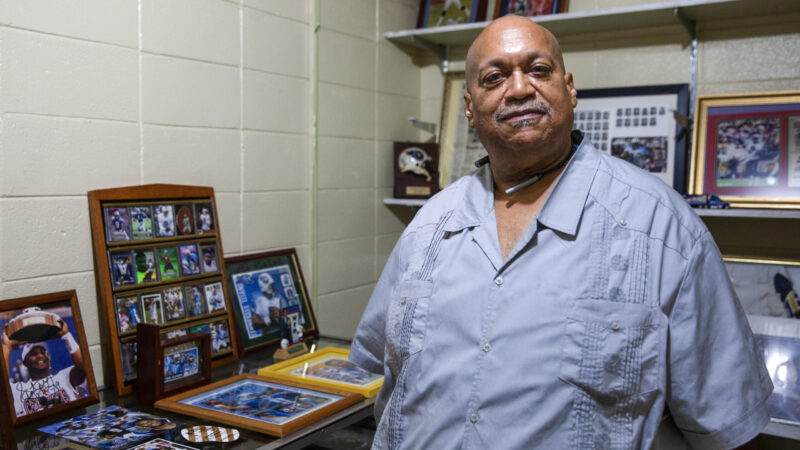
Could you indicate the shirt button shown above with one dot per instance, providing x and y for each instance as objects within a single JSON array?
[
  {"x": 474, "y": 417},
  {"x": 623, "y": 222},
  {"x": 487, "y": 346},
  {"x": 403, "y": 301},
  {"x": 615, "y": 326},
  {"x": 498, "y": 281}
]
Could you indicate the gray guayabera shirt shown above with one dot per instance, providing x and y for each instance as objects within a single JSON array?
[{"x": 612, "y": 318}]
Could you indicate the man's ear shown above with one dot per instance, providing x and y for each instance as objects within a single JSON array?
[
  {"x": 573, "y": 93},
  {"x": 468, "y": 109}
]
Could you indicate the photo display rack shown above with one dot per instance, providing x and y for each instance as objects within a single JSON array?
[{"x": 158, "y": 259}]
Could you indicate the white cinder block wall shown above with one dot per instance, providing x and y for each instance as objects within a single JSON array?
[{"x": 97, "y": 94}]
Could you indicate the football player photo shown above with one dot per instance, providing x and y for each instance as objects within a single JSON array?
[
  {"x": 165, "y": 220},
  {"x": 184, "y": 219},
  {"x": 118, "y": 226},
  {"x": 190, "y": 261},
  {"x": 122, "y": 269},
  {"x": 146, "y": 268},
  {"x": 210, "y": 262},
  {"x": 141, "y": 222},
  {"x": 128, "y": 315},
  {"x": 205, "y": 218},
  {"x": 168, "y": 262}
]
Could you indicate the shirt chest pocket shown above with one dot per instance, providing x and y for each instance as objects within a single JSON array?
[
  {"x": 613, "y": 351},
  {"x": 408, "y": 317}
]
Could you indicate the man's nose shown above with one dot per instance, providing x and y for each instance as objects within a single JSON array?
[{"x": 521, "y": 85}]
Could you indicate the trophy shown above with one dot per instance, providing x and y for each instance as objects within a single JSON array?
[{"x": 34, "y": 325}]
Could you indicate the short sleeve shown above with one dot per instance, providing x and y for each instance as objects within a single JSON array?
[
  {"x": 367, "y": 349},
  {"x": 718, "y": 383}
]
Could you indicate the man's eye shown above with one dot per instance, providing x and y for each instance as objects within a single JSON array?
[
  {"x": 541, "y": 70},
  {"x": 491, "y": 78}
]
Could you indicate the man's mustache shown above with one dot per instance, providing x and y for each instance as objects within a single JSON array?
[{"x": 534, "y": 106}]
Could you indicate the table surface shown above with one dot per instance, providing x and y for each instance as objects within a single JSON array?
[{"x": 28, "y": 436}]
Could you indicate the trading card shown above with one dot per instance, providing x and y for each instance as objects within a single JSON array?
[
  {"x": 165, "y": 221},
  {"x": 145, "y": 260},
  {"x": 127, "y": 352},
  {"x": 122, "y": 268},
  {"x": 202, "y": 328},
  {"x": 141, "y": 222},
  {"x": 173, "y": 304},
  {"x": 128, "y": 315},
  {"x": 118, "y": 226},
  {"x": 220, "y": 336},
  {"x": 195, "y": 300},
  {"x": 184, "y": 219},
  {"x": 210, "y": 260},
  {"x": 151, "y": 305},
  {"x": 176, "y": 333},
  {"x": 190, "y": 261},
  {"x": 205, "y": 218},
  {"x": 181, "y": 361},
  {"x": 168, "y": 262},
  {"x": 215, "y": 299}
]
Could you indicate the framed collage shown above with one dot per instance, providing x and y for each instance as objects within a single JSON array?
[
  {"x": 269, "y": 299},
  {"x": 157, "y": 258},
  {"x": 747, "y": 149}
]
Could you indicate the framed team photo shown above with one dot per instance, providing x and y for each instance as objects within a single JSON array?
[
  {"x": 165, "y": 220},
  {"x": 141, "y": 222},
  {"x": 267, "y": 291},
  {"x": 123, "y": 271},
  {"x": 173, "y": 304},
  {"x": 215, "y": 297},
  {"x": 46, "y": 366},
  {"x": 146, "y": 268},
  {"x": 439, "y": 13},
  {"x": 747, "y": 149},
  {"x": 152, "y": 308},
  {"x": 184, "y": 219},
  {"x": 190, "y": 259},
  {"x": 210, "y": 259},
  {"x": 326, "y": 367},
  {"x": 195, "y": 300},
  {"x": 168, "y": 262},
  {"x": 129, "y": 313},
  {"x": 118, "y": 225},
  {"x": 204, "y": 223},
  {"x": 265, "y": 405}
]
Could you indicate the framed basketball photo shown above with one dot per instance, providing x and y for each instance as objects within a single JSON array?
[{"x": 46, "y": 368}]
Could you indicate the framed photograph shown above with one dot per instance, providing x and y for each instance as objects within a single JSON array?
[
  {"x": 152, "y": 308},
  {"x": 638, "y": 124},
  {"x": 327, "y": 367},
  {"x": 174, "y": 308},
  {"x": 528, "y": 8},
  {"x": 261, "y": 404},
  {"x": 210, "y": 259},
  {"x": 141, "y": 222},
  {"x": 184, "y": 216},
  {"x": 205, "y": 218},
  {"x": 46, "y": 364},
  {"x": 438, "y": 13},
  {"x": 190, "y": 259},
  {"x": 128, "y": 313},
  {"x": 145, "y": 260},
  {"x": 766, "y": 287},
  {"x": 459, "y": 146},
  {"x": 123, "y": 271},
  {"x": 170, "y": 365},
  {"x": 118, "y": 225},
  {"x": 195, "y": 300},
  {"x": 747, "y": 149},
  {"x": 168, "y": 263},
  {"x": 265, "y": 289},
  {"x": 113, "y": 427},
  {"x": 165, "y": 220}
]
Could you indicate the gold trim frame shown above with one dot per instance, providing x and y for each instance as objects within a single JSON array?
[{"x": 781, "y": 196}]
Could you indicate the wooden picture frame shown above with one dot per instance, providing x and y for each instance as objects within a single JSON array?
[
  {"x": 529, "y": 8},
  {"x": 638, "y": 124},
  {"x": 327, "y": 367},
  {"x": 34, "y": 335},
  {"x": 160, "y": 300},
  {"x": 154, "y": 368},
  {"x": 267, "y": 394},
  {"x": 747, "y": 149},
  {"x": 244, "y": 273},
  {"x": 431, "y": 13}
]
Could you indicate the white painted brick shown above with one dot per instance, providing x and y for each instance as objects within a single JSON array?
[
  {"x": 229, "y": 214},
  {"x": 274, "y": 44},
  {"x": 393, "y": 114},
  {"x": 346, "y": 163},
  {"x": 95, "y": 20},
  {"x": 44, "y": 74},
  {"x": 397, "y": 73},
  {"x": 768, "y": 58},
  {"x": 356, "y": 17},
  {"x": 659, "y": 64},
  {"x": 346, "y": 264},
  {"x": 346, "y": 213},
  {"x": 391, "y": 218},
  {"x": 293, "y": 9},
  {"x": 346, "y": 112},
  {"x": 40, "y": 155},
  {"x": 99, "y": 367},
  {"x": 396, "y": 16},
  {"x": 46, "y": 236},
  {"x": 384, "y": 244},
  {"x": 339, "y": 314},
  {"x": 346, "y": 60},
  {"x": 200, "y": 29},
  {"x": 275, "y": 103},
  {"x": 276, "y": 161},
  {"x": 431, "y": 82},
  {"x": 193, "y": 156},
  {"x": 384, "y": 164},
  {"x": 181, "y": 92},
  {"x": 276, "y": 219}
]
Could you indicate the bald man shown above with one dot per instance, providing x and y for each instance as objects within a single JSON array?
[{"x": 557, "y": 297}]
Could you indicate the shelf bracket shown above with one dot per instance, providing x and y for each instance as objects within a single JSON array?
[
  {"x": 439, "y": 50},
  {"x": 689, "y": 24}
]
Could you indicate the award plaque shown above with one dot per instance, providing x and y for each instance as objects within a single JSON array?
[{"x": 416, "y": 170}]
